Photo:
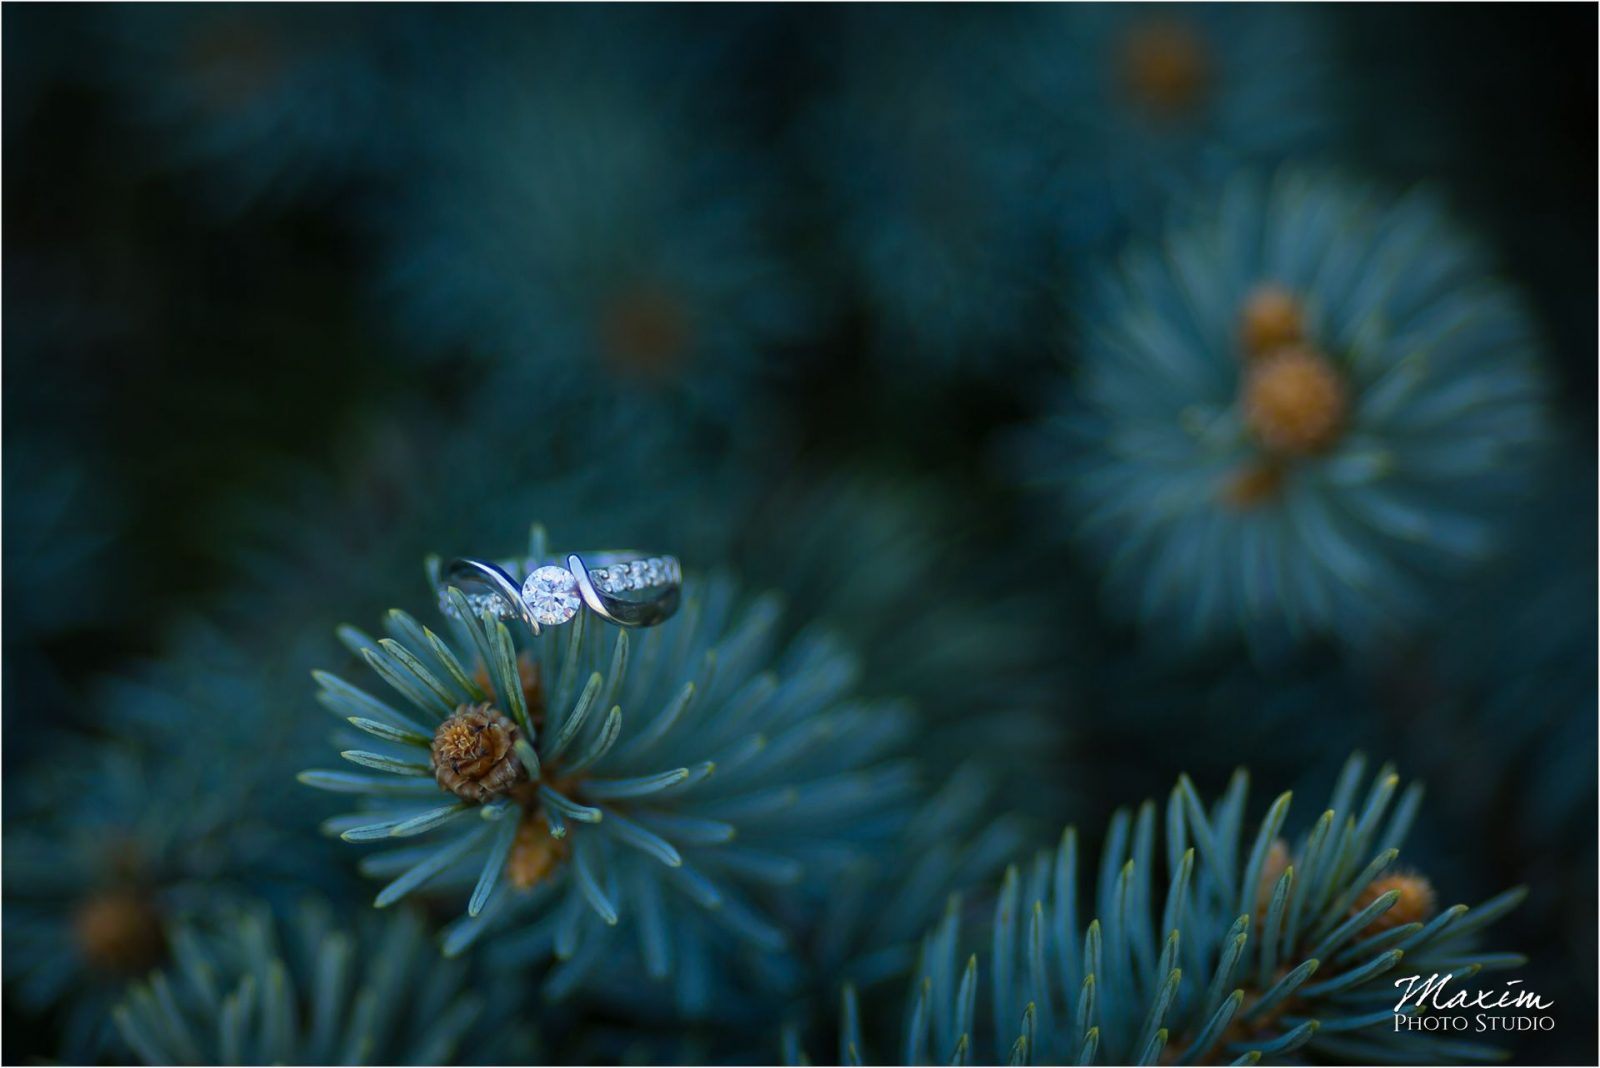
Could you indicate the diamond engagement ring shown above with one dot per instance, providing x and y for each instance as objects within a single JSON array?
[{"x": 552, "y": 594}]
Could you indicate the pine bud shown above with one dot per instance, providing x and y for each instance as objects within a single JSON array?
[
  {"x": 528, "y": 675},
  {"x": 535, "y": 853},
  {"x": 474, "y": 755},
  {"x": 119, "y": 931},
  {"x": 1273, "y": 866},
  {"x": 1271, "y": 319},
  {"x": 1416, "y": 903},
  {"x": 1165, "y": 66},
  {"x": 645, "y": 333},
  {"x": 1253, "y": 484},
  {"x": 1294, "y": 401}
]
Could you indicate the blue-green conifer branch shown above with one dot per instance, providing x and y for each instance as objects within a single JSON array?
[
  {"x": 691, "y": 766},
  {"x": 1201, "y": 940},
  {"x": 245, "y": 989},
  {"x": 1296, "y": 415}
]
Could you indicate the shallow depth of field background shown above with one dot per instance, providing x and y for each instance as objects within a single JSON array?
[{"x": 293, "y": 297}]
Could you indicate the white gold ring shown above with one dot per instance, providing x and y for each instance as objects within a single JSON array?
[{"x": 552, "y": 593}]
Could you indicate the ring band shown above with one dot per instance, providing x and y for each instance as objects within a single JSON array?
[{"x": 552, "y": 594}]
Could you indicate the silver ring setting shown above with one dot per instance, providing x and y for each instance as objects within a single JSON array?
[{"x": 552, "y": 594}]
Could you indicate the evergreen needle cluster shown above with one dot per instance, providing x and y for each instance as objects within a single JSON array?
[
  {"x": 1201, "y": 943},
  {"x": 593, "y": 774}
]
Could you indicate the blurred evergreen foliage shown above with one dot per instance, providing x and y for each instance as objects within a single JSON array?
[
  {"x": 1293, "y": 414},
  {"x": 296, "y": 296}
]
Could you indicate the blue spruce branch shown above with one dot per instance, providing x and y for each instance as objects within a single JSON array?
[{"x": 1200, "y": 944}]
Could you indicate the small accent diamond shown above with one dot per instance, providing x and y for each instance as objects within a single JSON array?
[
  {"x": 477, "y": 604},
  {"x": 552, "y": 595}
]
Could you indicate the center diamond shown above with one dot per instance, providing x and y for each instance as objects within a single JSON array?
[{"x": 552, "y": 595}]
